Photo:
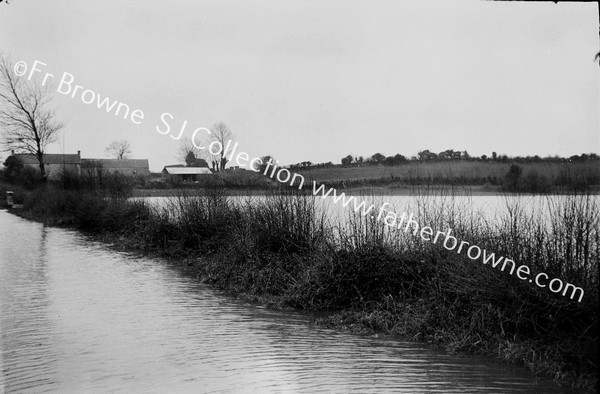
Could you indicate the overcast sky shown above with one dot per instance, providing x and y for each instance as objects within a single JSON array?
[{"x": 317, "y": 80}]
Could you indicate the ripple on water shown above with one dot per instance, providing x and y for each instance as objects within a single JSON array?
[{"x": 75, "y": 316}]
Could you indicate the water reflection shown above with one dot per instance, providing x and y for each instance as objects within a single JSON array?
[
  {"x": 77, "y": 317},
  {"x": 28, "y": 357}
]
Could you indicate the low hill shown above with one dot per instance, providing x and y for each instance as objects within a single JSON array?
[{"x": 535, "y": 176}]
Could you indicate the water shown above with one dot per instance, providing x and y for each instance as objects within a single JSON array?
[
  {"x": 490, "y": 205},
  {"x": 489, "y": 209},
  {"x": 76, "y": 316}
]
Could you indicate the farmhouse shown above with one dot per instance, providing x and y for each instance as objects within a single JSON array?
[
  {"x": 54, "y": 164},
  {"x": 180, "y": 173}
]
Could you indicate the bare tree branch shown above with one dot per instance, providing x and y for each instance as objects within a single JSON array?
[
  {"x": 188, "y": 146},
  {"x": 223, "y": 135},
  {"x": 119, "y": 149},
  {"x": 28, "y": 125}
]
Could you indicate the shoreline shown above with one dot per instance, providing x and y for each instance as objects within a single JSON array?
[{"x": 459, "y": 191}]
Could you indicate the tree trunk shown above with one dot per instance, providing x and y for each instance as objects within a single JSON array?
[{"x": 42, "y": 166}]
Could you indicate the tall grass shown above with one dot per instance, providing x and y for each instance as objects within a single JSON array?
[{"x": 491, "y": 311}]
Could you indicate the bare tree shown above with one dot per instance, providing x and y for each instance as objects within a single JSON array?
[
  {"x": 119, "y": 149},
  {"x": 187, "y": 146},
  {"x": 223, "y": 135},
  {"x": 28, "y": 125}
]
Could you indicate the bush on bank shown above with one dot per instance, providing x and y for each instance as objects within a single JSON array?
[{"x": 286, "y": 249}]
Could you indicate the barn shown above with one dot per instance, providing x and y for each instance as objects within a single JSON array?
[{"x": 185, "y": 174}]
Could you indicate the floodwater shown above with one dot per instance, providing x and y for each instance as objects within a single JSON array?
[
  {"x": 489, "y": 207},
  {"x": 76, "y": 316}
]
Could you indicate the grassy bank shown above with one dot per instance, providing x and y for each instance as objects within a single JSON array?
[
  {"x": 286, "y": 249},
  {"x": 533, "y": 177}
]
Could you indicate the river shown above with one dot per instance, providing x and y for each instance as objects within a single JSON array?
[{"x": 77, "y": 316}]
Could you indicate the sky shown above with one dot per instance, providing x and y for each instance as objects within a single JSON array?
[{"x": 318, "y": 80}]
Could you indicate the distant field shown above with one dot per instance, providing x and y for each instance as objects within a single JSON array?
[
  {"x": 475, "y": 172},
  {"x": 479, "y": 176}
]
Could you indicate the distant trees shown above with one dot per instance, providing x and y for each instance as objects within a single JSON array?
[
  {"x": 28, "y": 124},
  {"x": 222, "y": 134},
  {"x": 265, "y": 159},
  {"x": 346, "y": 161},
  {"x": 302, "y": 164},
  {"x": 190, "y": 158},
  {"x": 192, "y": 161},
  {"x": 378, "y": 158},
  {"x": 186, "y": 147},
  {"x": 451, "y": 154},
  {"x": 427, "y": 155},
  {"x": 119, "y": 149},
  {"x": 309, "y": 164},
  {"x": 584, "y": 157},
  {"x": 394, "y": 160}
]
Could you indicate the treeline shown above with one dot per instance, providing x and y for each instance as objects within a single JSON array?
[
  {"x": 377, "y": 158},
  {"x": 308, "y": 164},
  {"x": 451, "y": 154}
]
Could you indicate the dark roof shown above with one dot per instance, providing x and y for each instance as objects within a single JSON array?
[
  {"x": 122, "y": 163},
  {"x": 50, "y": 158}
]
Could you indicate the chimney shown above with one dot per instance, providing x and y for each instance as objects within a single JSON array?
[
  {"x": 12, "y": 152},
  {"x": 79, "y": 153}
]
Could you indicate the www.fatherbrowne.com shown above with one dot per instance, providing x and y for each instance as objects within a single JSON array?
[{"x": 406, "y": 222}]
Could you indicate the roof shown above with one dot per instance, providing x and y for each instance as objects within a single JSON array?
[
  {"x": 188, "y": 171},
  {"x": 50, "y": 158},
  {"x": 121, "y": 163}
]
